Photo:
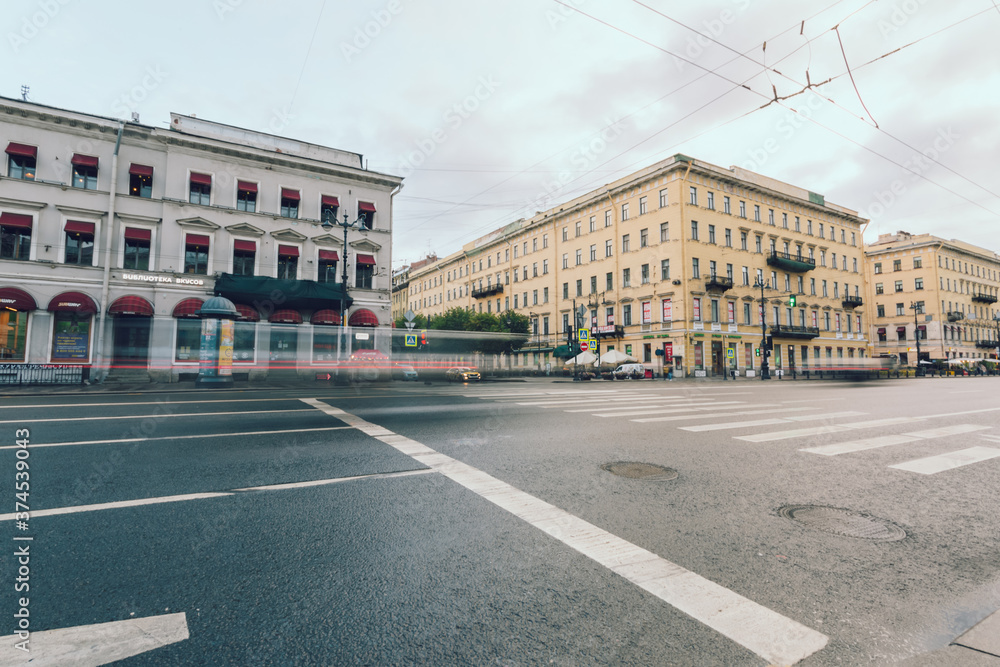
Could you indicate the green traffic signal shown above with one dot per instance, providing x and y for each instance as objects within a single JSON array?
[{"x": 791, "y": 301}]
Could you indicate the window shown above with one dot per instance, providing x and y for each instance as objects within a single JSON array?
[
  {"x": 694, "y": 230},
  {"x": 579, "y": 256},
  {"x": 609, "y": 281},
  {"x": 565, "y": 232},
  {"x": 545, "y": 241},
  {"x": 545, "y": 266},
  {"x": 855, "y": 266},
  {"x": 711, "y": 233},
  {"x": 593, "y": 252},
  {"x": 743, "y": 241},
  {"x": 917, "y": 262},
  {"x": 579, "y": 287},
  {"x": 625, "y": 211},
  {"x": 593, "y": 284},
  {"x": 900, "y": 310},
  {"x": 565, "y": 291},
  {"x": 824, "y": 289},
  {"x": 608, "y": 249},
  {"x": 288, "y": 262},
  {"x": 80, "y": 243},
  {"x": 878, "y": 267},
  {"x": 84, "y": 172},
  {"x": 534, "y": 245},
  {"x": 664, "y": 232},
  {"x": 565, "y": 260},
  {"x": 327, "y": 269},
  {"x": 200, "y": 189},
  {"x": 607, "y": 218},
  {"x": 695, "y": 267},
  {"x": 534, "y": 269},
  {"x": 725, "y": 205},
  {"x": 918, "y": 283},
  {"x": 625, "y": 243},
  {"x": 15, "y": 236},
  {"x": 712, "y": 268},
  {"x": 140, "y": 181},
  {"x": 643, "y": 238},
  {"x": 593, "y": 223},
  {"x": 729, "y": 238},
  {"x": 534, "y": 298},
  {"x": 626, "y": 277},
  {"x": 364, "y": 271},
  {"x": 880, "y": 310},
  {"x": 694, "y": 195},
  {"x": 746, "y": 275},
  {"x": 743, "y": 209},
  {"x": 711, "y": 200},
  {"x": 759, "y": 240},
  {"x": 627, "y": 314},
  {"x": 366, "y": 211},
  {"x": 645, "y": 274},
  {"x": 812, "y": 286},
  {"x": 137, "y": 242},
  {"x": 897, "y": 265},
  {"x": 879, "y": 289},
  {"x": 196, "y": 253},
  {"x": 663, "y": 198},
  {"x": 244, "y": 257},
  {"x": 664, "y": 269},
  {"x": 642, "y": 205},
  {"x": 899, "y": 285},
  {"x": 545, "y": 298},
  {"x": 21, "y": 161}
]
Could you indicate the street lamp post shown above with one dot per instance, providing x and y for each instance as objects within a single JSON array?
[
  {"x": 538, "y": 341},
  {"x": 916, "y": 333},
  {"x": 996, "y": 319},
  {"x": 329, "y": 220},
  {"x": 764, "y": 369}
]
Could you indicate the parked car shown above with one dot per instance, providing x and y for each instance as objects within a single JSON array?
[
  {"x": 407, "y": 373},
  {"x": 462, "y": 374},
  {"x": 630, "y": 372}
]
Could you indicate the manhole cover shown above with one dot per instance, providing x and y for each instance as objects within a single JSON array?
[
  {"x": 647, "y": 471},
  {"x": 843, "y": 522}
]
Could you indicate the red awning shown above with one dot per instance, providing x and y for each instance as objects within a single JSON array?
[
  {"x": 364, "y": 260},
  {"x": 77, "y": 227},
  {"x": 327, "y": 200},
  {"x": 201, "y": 179},
  {"x": 326, "y": 317},
  {"x": 245, "y": 246},
  {"x": 365, "y": 207},
  {"x": 285, "y": 317},
  {"x": 13, "y": 298},
  {"x": 247, "y": 314},
  {"x": 138, "y": 234},
  {"x": 900, "y": 329},
  {"x": 288, "y": 250},
  {"x": 15, "y": 220},
  {"x": 14, "y": 148},
  {"x": 84, "y": 160},
  {"x": 73, "y": 302},
  {"x": 197, "y": 239},
  {"x": 881, "y": 330},
  {"x": 188, "y": 308},
  {"x": 922, "y": 327},
  {"x": 329, "y": 256},
  {"x": 140, "y": 170},
  {"x": 131, "y": 305},
  {"x": 246, "y": 186},
  {"x": 363, "y": 318},
  {"x": 289, "y": 194}
]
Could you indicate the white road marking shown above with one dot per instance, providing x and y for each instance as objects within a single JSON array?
[
  {"x": 889, "y": 440},
  {"x": 770, "y": 635},
  {"x": 700, "y": 415},
  {"x": 337, "y": 480},
  {"x": 103, "y": 405},
  {"x": 820, "y": 430},
  {"x": 827, "y": 415},
  {"x": 603, "y": 399},
  {"x": 949, "y": 461},
  {"x": 162, "y": 415},
  {"x": 97, "y": 644},
  {"x": 674, "y": 405},
  {"x": 805, "y": 400},
  {"x": 179, "y": 437},
  {"x": 995, "y": 438},
  {"x": 768, "y": 422}
]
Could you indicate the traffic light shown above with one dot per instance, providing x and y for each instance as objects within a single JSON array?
[
  {"x": 756, "y": 352},
  {"x": 769, "y": 342},
  {"x": 423, "y": 338},
  {"x": 791, "y": 301}
]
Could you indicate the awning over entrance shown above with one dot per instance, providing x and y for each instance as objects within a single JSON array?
[
  {"x": 247, "y": 314},
  {"x": 12, "y": 298},
  {"x": 363, "y": 318},
  {"x": 275, "y": 293},
  {"x": 327, "y": 316},
  {"x": 285, "y": 317},
  {"x": 73, "y": 302},
  {"x": 131, "y": 305},
  {"x": 188, "y": 308}
]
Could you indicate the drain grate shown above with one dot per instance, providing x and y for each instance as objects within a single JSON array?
[
  {"x": 634, "y": 470},
  {"x": 843, "y": 522}
]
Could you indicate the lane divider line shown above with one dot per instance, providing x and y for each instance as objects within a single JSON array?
[
  {"x": 775, "y": 638},
  {"x": 164, "y": 415},
  {"x": 179, "y": 437}
]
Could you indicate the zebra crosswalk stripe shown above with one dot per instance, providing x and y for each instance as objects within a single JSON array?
[
  {"x": 949, "y": 461},
  {"x": 889, "y": 440}
]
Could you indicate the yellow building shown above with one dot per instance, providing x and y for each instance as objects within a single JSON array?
[
  {"x": 667, "y": 259},
  {"x": 943, "y": 291}
]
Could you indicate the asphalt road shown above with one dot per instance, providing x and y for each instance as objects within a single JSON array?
[{"x": 474, "y": 524}]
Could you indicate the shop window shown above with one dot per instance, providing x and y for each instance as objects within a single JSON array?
[
  {"x": 244, "y": 342},
  {"x": 188, "y": 340},
  {"x": 13, "y": 335},
  {"x": 71, "y": 337}
]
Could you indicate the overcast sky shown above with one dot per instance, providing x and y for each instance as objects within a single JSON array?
[{"x": 494, "y": 110}]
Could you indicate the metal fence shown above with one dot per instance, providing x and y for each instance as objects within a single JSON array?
[{"x": 43, "y": 374}]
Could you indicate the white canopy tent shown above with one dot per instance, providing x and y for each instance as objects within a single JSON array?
[
  {"x": 614, "y": 358},
  {"x": 584, "y": 359}
]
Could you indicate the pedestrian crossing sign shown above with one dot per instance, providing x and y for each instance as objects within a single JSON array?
[
  {"x": 583, "y": 334},
  {"x": 730, "y": 353},
  {"x": 411, "y": 340}
]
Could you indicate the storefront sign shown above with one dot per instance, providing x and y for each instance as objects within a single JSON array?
[
  {"x": 225, "y": 347},
  {"x": 70, "y": 346},
  {"x": 148, "y": 278},
  {"x": 209, "y": 348}
]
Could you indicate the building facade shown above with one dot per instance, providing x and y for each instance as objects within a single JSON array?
[
  {"x": 112, "y": 234},
  {"x": 942, "y": 292},
  {"x": 671, "y": 259}
]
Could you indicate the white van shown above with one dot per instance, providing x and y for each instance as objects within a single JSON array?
[{"x": 630, "y": 372}]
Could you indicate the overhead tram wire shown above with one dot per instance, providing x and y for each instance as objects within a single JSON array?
[
  {"x": 490, "y": 226},
  {"x": 779, "y": 103},
  {"x": 808, "y": 86}
]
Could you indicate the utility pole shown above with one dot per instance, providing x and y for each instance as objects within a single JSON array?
[
  {"x": 765, "y": 350},
  {"x": 916, "y": 333}
]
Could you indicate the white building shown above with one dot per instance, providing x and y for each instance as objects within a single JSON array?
[{"x": 112, "y": 234}]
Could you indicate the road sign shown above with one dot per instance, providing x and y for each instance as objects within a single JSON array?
[
  {"x": 409, "y": 314},
  {"x": 730, "y": 353},
  {"x": 583, "y": 334},
  {"x": 409, "y": 325},
  {"x": 411, "y": 340},
  {"x": 584, "y": 345}
]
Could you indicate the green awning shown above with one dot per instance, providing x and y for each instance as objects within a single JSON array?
[{"x": 262, "y": 291}]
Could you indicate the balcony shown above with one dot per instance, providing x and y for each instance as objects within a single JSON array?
[
  {"x": 489, "y": 290},
  {"x": 988, "y": 344},
  {"x": 852, "y": 301},
  {"x": 719, "y": 283},
  {"x": 955, "y": 316},
  {"x": 786, "y": 331},
  {"x": 984, "y": 298},
  {"x": 790, "y": 262}
]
